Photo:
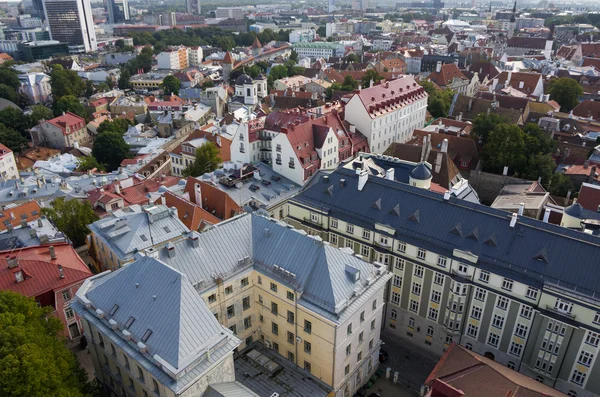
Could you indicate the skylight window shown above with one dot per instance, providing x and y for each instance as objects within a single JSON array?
[
  {"x": 146, "y": 335},
  {"x": 143, "y": 237},
  {"x": 129, "y": 322},
  {"x": 113, "y": 310},
  {"x": 166, "y": 228}
]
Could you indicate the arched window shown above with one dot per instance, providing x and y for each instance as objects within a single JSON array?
[{"x": 511, "y": 365}]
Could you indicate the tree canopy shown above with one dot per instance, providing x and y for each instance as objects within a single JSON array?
[
  {"x": 111, "y": 149},
  {"x": 88, "y": 163},
  {"x": 370, "y": 74},
  {"x": 171, "y": 85},
  {"x": 118, "y": 125},
  {"x": 69, "y": 103},
  {"x": 71, "y": 217},
  {"x": 207, "y": 160},
  {"x": 566, "y": 91},
  {"x": 9, "y": 93},
  {"x": 483, "y": 126},
  {"x": 40, "y": 112},
  {"x": 65, "y": 82},
  {"x": 11, "y": 138},
  {"x": 17, "y": 120},
  {"x": 34, "y": 361},
  {"x": 439, "y": 101}
]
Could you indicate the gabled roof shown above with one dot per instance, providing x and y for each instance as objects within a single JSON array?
[
  {"x": 587, "y": 109},
  {"x": 15, "y": 215},
  {"x": 471, "y": 107},
  {"x": 463, "y": 372},
  {"x": 68, "y": 120},
  {"x": 214, "y": 200},
  {"x": 591, "y": 50},
  {"x": 589, "y": 196},
  {"x": 193, "y": 216},
  {"x": 538, "y": 43},
  {"x": 446, "y": 75},
  {"x": 164, "y": 306},
  {"x": 40, "y": 271},
  {"x": 528, "y": 80}
]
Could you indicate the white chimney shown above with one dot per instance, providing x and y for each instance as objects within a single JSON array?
[
  {"x": 371, "y": 83},
  {"x": 52, "y": 252},
  {"x": 198, "y": 195},
  {"x": 547, "y": 215},
  {"x": 363, "y": 176},
  {"x": 60, "y": 271},
  {"x": 513, "y": 220},
  {"x": 521, "y": 208},
  {"x": 118, "y": 188},
  {"x": 389, "y": 174},
  {"x": 257, "y": 175},
  {"x": 447, "y": 196},
  {"x": 438, "y": 67},
  {"x": 445, "y": 145}
]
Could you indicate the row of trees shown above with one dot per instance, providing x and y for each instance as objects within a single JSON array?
[
  {"x": 210, "y": 36},
  {"x": 527, "y": 151}
]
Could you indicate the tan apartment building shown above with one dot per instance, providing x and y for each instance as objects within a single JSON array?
[{"x": 61, "y": 132}]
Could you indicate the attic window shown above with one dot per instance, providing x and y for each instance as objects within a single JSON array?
[
  {"x": 34, "y": 213},
  {"x": 146, "y": 335},
  {"x": 415, "y": 216},
  {"x": 113, "y": 310},
  {"x": 377, "y": 204},
  {"x": 186, "y": 215},
  {"x": 329, "y": 190},
  {"x": 474, "y": 235},
  {"x": 129, "y": 322},
  {"x": 396, "y": 210},
  {"x": 143, "y": 237},
  {"x": 166, "y": 228},
  {"x": 491, "y": 241},
  {"x": 542, "y": 256},
  {"x": 457, "y": 230}
]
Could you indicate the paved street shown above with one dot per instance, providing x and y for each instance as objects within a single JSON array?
[{"x": 412, "y": 363}]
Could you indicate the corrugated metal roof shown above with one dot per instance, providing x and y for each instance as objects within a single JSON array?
[
  {"x": 230, "y": 389},
  {"x": 162, "y": 301},
  {"x": 572, "y": 255},
  {"x": 273, "y": 248}
]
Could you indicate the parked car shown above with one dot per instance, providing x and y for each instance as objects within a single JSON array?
[{"x": 383, "y": 356}]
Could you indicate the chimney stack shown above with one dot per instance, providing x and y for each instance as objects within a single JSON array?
[
  {"x": 438, "y": 66},
  {"x": 547, "y": 215},
  {"x": 363, "y": 176},
  {"x": 513, "y": 220},
  {"x": 521, "y": 209},
  {"x": 389, "y": 174},
  {"x": 52, "y": 252},
  {"x": 60, "y": 271},
  {"x": 445, "y": 145}
]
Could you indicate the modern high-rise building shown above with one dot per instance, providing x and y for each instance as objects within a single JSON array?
[
  {"x": 71, "y": 22},
  {"x": 193, "y": 6},
  {"x": 118, "y": 10}
]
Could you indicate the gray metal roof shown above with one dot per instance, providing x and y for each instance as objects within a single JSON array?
[
  {"x": 229, "y": 389},
  {"x": 572, "y": 256},
  {"x": 134, "y": 230},
  {"x": 170, "y": 319},
  {"x": 321, "y": 272}
]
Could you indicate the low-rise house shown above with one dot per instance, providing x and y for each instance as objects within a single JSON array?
[
  {"x": 36, "y": 87},
  {"x": 529, "y": 84},
  {"x": 114, "y": 240},
  {"x": 14, "y": 214},
  {"x": 465, "y": 108},
  {"x": 8, "y": 165},
  {"x": 450, "y": 76},
  {"x": 30, "y": 233},
  {"x": 193, "y": 216},
  {"x": 185, "y": 154},
  {"x": 61, "y": 132},
  {"x": 527, "y": 198},
  {"x": 50, "y": 274},
  {"x": 520, "y": 45},
  {"x": 587, "y": 109}
]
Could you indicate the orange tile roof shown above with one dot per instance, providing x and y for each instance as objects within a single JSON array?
[
  {"x": 214, "y": 200},
  {"x": 193, "y": 216},
  {"x": 27, "y": 211}
]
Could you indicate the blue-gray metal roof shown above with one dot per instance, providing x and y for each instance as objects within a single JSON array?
[
  {"x": 572, "y": 256},
  {"x": 229, "y": 389},
  {"x": 321, "y": 272},
  {"x": 129, "y": 232}
]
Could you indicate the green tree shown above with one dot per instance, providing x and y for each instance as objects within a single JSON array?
[
  {"x": 9, "y": 77},
  {"x": 89, "y": 88},
  {"x": 34, "y": 361},
  {"x": 65, "y": 82},
  {"x": 17, "y": 120},
  {"x": 539, "y": 165},
  {"x": 349, "y": 84},
  {"x": 207, "y": 160},
  {"x": 40, "y": 112},
  {"x": 560, "y": 185},
  {"x": 226, "y": 43},
  {"x": 124, "y": 81},
  {"x": 8, "y": 92},
  {"x": 208, "y": 84},
  {"x": 110, "y": 148},
  {"x": 439, "y": 101},
  {"x": 537, "y": 141},
  {"x": 321, "y": 31},
  {"x": 505, "y": 147},
  {"x": 87, "y": 163},
  {"x": 371, "y": 74},
  {"x": 484, "y": 124},
  {"x": 566, "y": 91},
  {"x": 278, "y": 72},
  {"x": 118, "y": 125},
  {"x": 352, "y": 57},
  {"x": 294, "y": 56},
  {"x": 69, "y": 103},
  {"x": 11, "y": 138},
  {"x": 104, "y": 87},
  {"x": 71, "y": 217},
  {"x": 171, "y": 85}
]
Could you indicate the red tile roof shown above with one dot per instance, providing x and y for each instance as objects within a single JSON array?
[
  {"x": 588, "y": 108},
  {"x": 477, "y": 376},
  {"x": 446, "y": 75},
  {"x": 529, "y": 80},
  {"x": 193, "y": 216},
  {"x": 40, "y": 271},
  {"x": 538, "y": 43},
  {"x": 27, "y": 211},
  {"x": 389, "y": 96},
  {"x": 227, "y": 58},
  {"x": 214, "y": 200},
  {"x": 595, "y": 62},
  {"x": 591, "y": 50},
  {"x": 589, "y": 196},
  {"x": 69, "y": 121}
]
